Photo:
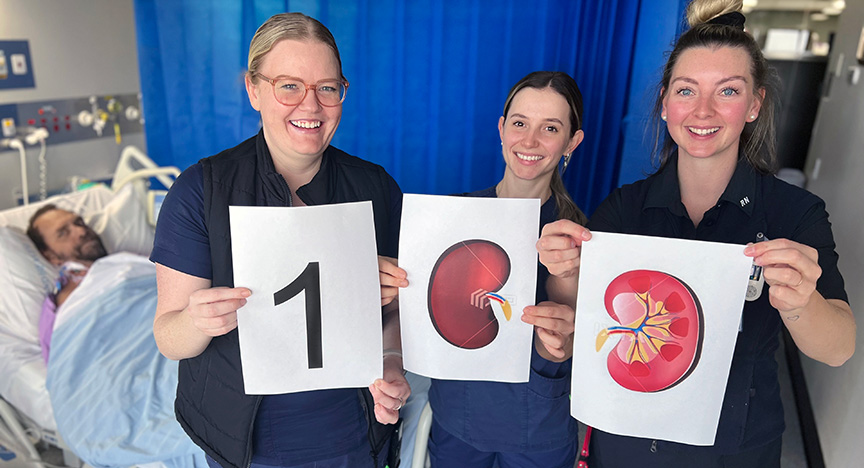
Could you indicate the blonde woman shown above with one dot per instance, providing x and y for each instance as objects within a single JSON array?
[{"x": 295, "y": 81}]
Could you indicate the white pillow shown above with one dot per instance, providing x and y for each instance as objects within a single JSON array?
[
  {"x": 83, "y": 202},
  {"x": 122, "y": 223},
  {"x": 26, "y": 278}
]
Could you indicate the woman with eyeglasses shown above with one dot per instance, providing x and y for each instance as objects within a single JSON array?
[
  {"x": 486, "y": 424},
  {"x": 717, "y": 98},
  {"x": 295, "y": 81}
]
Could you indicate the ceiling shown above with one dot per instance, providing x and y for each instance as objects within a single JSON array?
[{"x": 833, "y": 6}]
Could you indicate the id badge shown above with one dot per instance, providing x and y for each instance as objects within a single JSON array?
[{"x": 756, "y": 283}]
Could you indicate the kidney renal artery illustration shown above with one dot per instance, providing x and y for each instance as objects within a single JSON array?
[
  {"x": 660, "y": 333},
  {"x": 462, "y": 289}
]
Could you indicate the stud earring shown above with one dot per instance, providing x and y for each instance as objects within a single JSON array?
[
  {"x": 663, "y": 117},
  {"x": 752, "y": 117}
]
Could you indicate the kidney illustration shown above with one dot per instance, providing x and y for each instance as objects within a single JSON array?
[
  {"x": 661, "y": 331},
  {"x": 462, "y": 290}
]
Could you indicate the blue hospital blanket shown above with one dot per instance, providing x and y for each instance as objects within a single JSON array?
[{"x": 111, "y": 391}]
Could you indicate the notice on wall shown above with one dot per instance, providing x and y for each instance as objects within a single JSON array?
[
  {"x": 472, "y": 268},
  {"x": 314, "y": 318},
  {"x": 16, "y": 69},
  {"x": 656, "y": 324}
]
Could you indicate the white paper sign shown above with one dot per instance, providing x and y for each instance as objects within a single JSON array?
[
  {"x": 664, "y": 314},
  {"x": 472, "y": 268},
  {"x": 314, "y": 318}
]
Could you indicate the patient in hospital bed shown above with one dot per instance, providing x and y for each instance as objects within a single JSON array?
[
  {"x": 105, "y": 388},
  {"x": 65, "y": 240}
]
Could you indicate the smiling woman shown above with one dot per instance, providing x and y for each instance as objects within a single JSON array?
[
  {"x": 706, "y": 108},
  {"x": 295, "y": 82},
  {"x": 297, "y": 131},
  {"x": 715, "y": 183},
  {"x": 486, "y": 424}
]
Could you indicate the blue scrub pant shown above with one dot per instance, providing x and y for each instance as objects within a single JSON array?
[
  {"x": 359, "y": 458},
  {"x": 448, "y": 451}
]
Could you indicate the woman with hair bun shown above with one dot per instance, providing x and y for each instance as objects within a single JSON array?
[{"x": 715, "y": 183}]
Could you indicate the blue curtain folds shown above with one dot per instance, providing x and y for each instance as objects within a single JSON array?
[{"x": 428, "y": 80}]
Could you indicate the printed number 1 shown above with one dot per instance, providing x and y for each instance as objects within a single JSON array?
[{"x": 310, "y": 282}]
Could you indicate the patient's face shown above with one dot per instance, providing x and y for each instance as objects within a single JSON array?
[{"x": 68, "y": 238}]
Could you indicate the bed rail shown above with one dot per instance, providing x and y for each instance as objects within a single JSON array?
[{"x": 134, "y": 164}]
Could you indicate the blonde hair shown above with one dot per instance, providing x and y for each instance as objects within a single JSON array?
[
  {"x": 295, "y": 26},
  {"x": 702, "y": 11}
]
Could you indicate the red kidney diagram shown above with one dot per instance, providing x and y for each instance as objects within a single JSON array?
[
  {"x": 461, "y": 289},
  {"x": 661, "y": 330}
]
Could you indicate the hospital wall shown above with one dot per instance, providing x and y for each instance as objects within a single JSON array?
[
  {"x": 79, "y": 48},
  {"x": 836, "y": 173}
]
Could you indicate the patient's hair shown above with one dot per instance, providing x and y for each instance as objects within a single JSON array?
[
  {"x": 296, "y": 26},
  {"x": 34, "y": 233}
]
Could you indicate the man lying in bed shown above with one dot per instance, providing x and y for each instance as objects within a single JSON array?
[{"x": 66, "y": 241}]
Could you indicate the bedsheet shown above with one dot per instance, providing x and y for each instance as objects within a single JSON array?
[{"x": 111, "y": 391}]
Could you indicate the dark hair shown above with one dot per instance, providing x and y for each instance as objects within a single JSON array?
[
  {"x": 566, "y": 86},
  {"x": 34, "y": 233},
  {"x": 757, "y": 144}
]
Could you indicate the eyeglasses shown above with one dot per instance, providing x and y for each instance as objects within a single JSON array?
[{"x": 291, "y": 91}]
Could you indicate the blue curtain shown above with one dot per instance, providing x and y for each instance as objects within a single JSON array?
[
  {"x": 428, "y": 80},
  {"x": 661, "y": 21}
]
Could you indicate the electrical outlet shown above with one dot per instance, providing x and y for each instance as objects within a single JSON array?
[
  {"x": 8, "y": 125},
  {"x": 19, "y": 64}
]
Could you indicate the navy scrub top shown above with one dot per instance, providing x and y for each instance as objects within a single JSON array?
[
  {"x": 289, "y": 428},
  {"x": 511, "y": 417},
  {"x": 752, "y": 413}
]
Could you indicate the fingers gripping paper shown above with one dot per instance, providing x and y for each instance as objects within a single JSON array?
[
  {"x": 314, "y": 318},
  {"x": 656, "y": 325},
  {"x": 472, "y": 267}
]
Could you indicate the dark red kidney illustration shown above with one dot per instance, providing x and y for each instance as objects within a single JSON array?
[
  {"x": 661, "y": 330},
  {"x": 460, "y": 281}
]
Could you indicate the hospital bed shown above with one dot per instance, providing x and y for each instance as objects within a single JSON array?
[{"x": 106, "y": 396}]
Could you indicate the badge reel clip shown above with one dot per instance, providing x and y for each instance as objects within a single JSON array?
[
  {"x": 755, "y": 284},
  {"x": 757, "y": 280}
]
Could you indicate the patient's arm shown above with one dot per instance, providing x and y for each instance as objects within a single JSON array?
[
  {"x": 189, "y": 312},
  {"x": 64, "y": 292}
]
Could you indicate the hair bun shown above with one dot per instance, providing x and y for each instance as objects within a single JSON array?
[
  {"x": 705, "y": 11},
  {"x": 734, "y": 19}
]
